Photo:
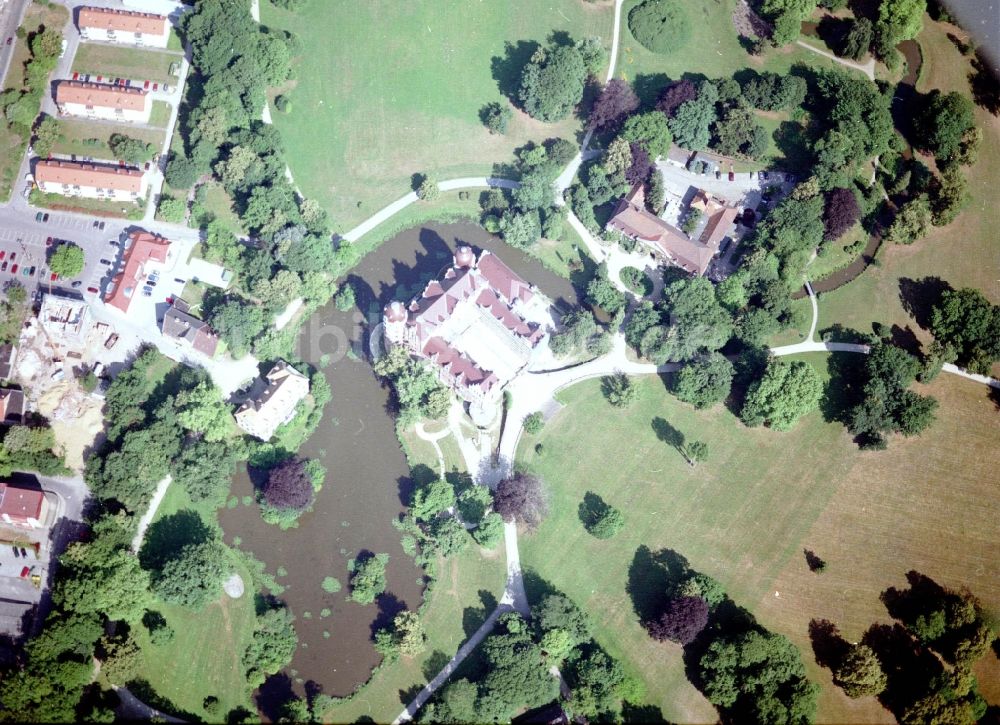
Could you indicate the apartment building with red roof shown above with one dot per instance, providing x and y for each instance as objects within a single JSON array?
[
  {"x": 22, "y": 506},
  {"x": 103, "y": 101},
  {"x": 93, "y": 181},
  {"x": 127, "y": 27}
]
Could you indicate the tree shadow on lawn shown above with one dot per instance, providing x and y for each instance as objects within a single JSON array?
[
  {"x": 919, "y": 297},
  {"x": 668, "y": 434},
  {"x": 649, "y": 86},
  {"x": 473, "y": 617},
  {"x": 164, "y": 538},
  {"x": 507, "y": 69},
  {"x": 651, "y": 576},
  {"x": 591, "y": 509},
  {"x": 274, "y": 694},
  {"x": 844, "y": 390},
  {"x": 434, "y": 663},
  {"x": 828, "y": 646}
]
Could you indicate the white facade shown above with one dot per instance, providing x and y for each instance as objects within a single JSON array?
[
  {"x": 146, "y": 40},
  {"x": 109, "y": 113},
  {"x": 95, "y": 189}
]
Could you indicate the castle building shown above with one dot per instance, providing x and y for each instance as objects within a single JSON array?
[{"x": 479, "y": 325}]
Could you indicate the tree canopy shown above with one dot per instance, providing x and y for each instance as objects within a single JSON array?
[
  {"x": 660, "y": 25},
  {"x": 970, "y": 324},
  {"x": 67, "y": 260},
  {"x": 786, "y": 392},
  {"x": 552, "y": 82}
]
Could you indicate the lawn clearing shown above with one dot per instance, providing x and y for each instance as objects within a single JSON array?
[
  {"x": 393, "y": 89},
  {"x": 218, "y": 205},
  {"x": 74, "y": 133},
  {"x": 159, "y": 115},
  {"x": 115, "y": 61},
  {"x": 746, "y": 514},
  {"x": 83, "y": 205},
  {"x": 964, "y": 253},
  {"x": 204, "y": 657}
]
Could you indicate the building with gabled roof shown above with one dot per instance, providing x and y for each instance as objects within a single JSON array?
[
  {"x": 479, "y": 325},
  {"x": 104, "y": 101},
  {"x": 11, "y": 406},
  {"x": 128, "y": 27},
  {"x": 141, "y": 248},
  {"x": 23, "y": 506},
  {"x": 93, "y": 181},
  {"x": 180, "y": 325},
  {"x": 666, "y": 241},
  {"x": 261, "y": 415}
]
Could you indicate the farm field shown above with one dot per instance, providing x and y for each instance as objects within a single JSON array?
[
  {"x": 745, "y": 516},
  {"x": 116, "y": 61},
  {"x": 371, "y": 108}
]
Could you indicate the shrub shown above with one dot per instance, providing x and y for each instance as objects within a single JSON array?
[
  {"x": 534, "y": 423},
  {"x": 368, "y": 579},
  {"x": 331, "y": 585},
  {"x": 344, "y": 299},
  {"x": 489, "y": 532},
  {"x": 283, "y": 104},
  {"x": 428, "y": 189},
  {"x": 620, "y": 390},
  {"x": 496, "y": 117},
  {"x": 659, "y": 25}
]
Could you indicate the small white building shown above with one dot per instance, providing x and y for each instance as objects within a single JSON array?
[
  {"x": 261, "y": 416},
  {"x": 100, "y": 100},
  {"x": 70, "y": 178},
  {"x": 127, "y": 27}
]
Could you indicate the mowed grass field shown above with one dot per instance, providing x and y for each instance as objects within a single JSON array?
[
  {"x": 385, "y": 90},
  {"x": 205, "y": 656},
  {"x": 746, "y": 515},
  {"x": 74, "y": 133},
  {"x": 113, "y": 61},
  {"x": 965, "y": 253}
]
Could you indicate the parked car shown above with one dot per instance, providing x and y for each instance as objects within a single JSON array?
[
  {"x": 45, "y": 218},
  {"x": 17, "y": 554},
  {"x": 76, "y": 284},
  {"x": 53, "y": 277},
  {"x": 147, "y": 292},
  {"x": 10, "y": 39},
  {"x": 95, "y": 224},
  {"x": 148, "y": 289},
  {"x": 26, "y": 272},
  {"x": 155, "y": 86},
  {"x": 3, "y": 267},
  {"x": 76, "y": 76},
  {"x": 146, "y": 85},
  {"x": 101, "y": 226},
  {"x": 48, "y": 241},
  {"x": 732, "y": 176},
  {"x": 24, "y": 553},
  {"x": 3, "y": 253},
  {"x": 105, "y": 261},
  {"x": 38, "y": 217},
  {"x": 92, "y": 290},
  {"x": 13, "y": 270},
  {"x": 113, "y": 243},
  {"x": 178, "y": 280},
  {"x": 13, "y": 256}
]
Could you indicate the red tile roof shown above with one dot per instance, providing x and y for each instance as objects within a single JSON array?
[
  {"x": 143, "y": 247},
  {"x": 72, "y": 173},
  {"x": 101, "y": 94},
  {"x": 20, "y": 503},
  {"x": 127, "y": 21},
  {"x": 718, "y": 227},
  {"x": 503, "y": 279},
  {"x": 632, "y": 219}
]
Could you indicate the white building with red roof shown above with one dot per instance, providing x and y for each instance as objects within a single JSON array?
[
  {"x": 141, "y": 250},
  {"x": 104, "y": 101},
  {"x": 93, "y": 181},
  {"x": 479, "y": 326},
  {"x": 21, "y": 506},
  {"x": 127, "y": 27}
]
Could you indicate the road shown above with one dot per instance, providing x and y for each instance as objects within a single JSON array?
[{"x": 11, "y": 15}]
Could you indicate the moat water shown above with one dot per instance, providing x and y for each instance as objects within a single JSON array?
[{"x": 367, "y": 480}]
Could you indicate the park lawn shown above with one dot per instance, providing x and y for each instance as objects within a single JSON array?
[
  {"x": 712, "y": 50},
  {"x": 964, "y": 253},
  {"x": 159, "y": 115},
  {"x": 115, "y": 61},
  {"x": 837, "y": 254},
  {"x": 72, "y": 135},
  {"x": 394, "y": 89},
  {"x": 204, "y": 657},
  {"x": 10, "y": 160},
  {"x": 746, "y": 514},
  {"x": 466, "y": 591},
  {"x": 795, "y": 333},
  {"x": 219, "y": 204}
]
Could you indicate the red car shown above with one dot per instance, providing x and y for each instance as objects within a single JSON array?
[
  {"x": 13, "y": 270},
  {"x": 99, "y": 78},
  {"x": 76, "y": 76},
  {"x": 25, "y": 571},
  {"x": 92, "y": 289},
  {"x": 48, "y": 241},
  {"x": 13, "y": 256},
  {"x": 53, "y": 277},
  {"x": 146, "y": 85},
  {"x": 155, "y": 86},
  {"x": 3, "y": 253}
]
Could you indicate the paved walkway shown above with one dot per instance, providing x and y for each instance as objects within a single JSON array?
[
  {"x": 386, "y": 213},
  {"x": 147, "y": 518},
  {"x": 867, "y": 68},
  {"x": 433, "y": 439}
]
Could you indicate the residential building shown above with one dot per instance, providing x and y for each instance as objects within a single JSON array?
[
  {"x": 180, "y": 325},
  {"x": 127, "y": 27},
  {"x": 261, "y": 415},
  {"x": 666, "y": 241},
  {"x": 8, "y": 354},
  {"x": 479, "y": 326},
  {"x": 23, "y": 506},
  {"x": 11, "y": 406},
  {"x": 141, "y": 250},
  {"x": 103, "y": 101},
  {"x": 71, "y": 178}
]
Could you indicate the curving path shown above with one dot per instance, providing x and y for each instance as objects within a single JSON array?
[{"x": 867, "y": 68}]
